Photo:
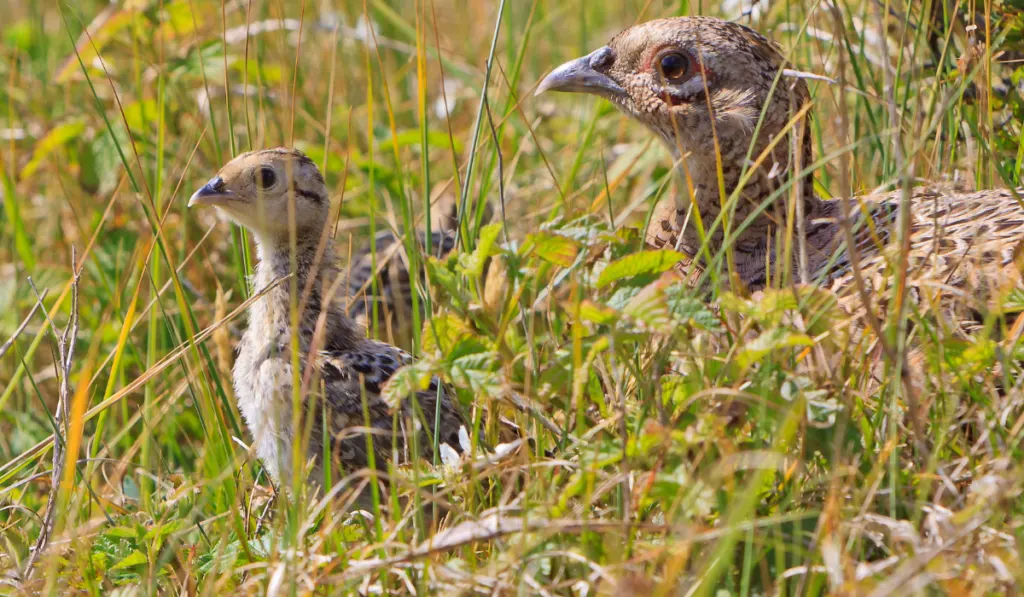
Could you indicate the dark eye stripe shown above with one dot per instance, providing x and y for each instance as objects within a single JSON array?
[{"x": 310, "y": 195}]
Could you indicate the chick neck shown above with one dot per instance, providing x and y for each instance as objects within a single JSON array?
[{"x": 308, "y": 265}]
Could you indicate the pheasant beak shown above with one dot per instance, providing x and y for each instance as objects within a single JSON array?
[
  {"x": 213, "y": 193},
  {"x": 581, "y": 76}
]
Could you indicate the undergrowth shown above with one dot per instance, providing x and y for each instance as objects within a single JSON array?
[{"x": 753, "y": 445}]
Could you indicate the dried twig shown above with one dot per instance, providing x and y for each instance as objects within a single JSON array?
[{"x": 66, "y": 354}]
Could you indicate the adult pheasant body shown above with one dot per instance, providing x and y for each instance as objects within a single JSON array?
[{"x": 719, "y": 94}]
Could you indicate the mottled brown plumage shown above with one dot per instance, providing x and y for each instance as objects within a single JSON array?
[
  {"x": 381, "y": 277},
  {"x": 701, "y": 85},
  {"x": 280, "y": 196}
]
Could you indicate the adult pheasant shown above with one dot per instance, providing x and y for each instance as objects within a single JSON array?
[{"x": 718, "y": 93}]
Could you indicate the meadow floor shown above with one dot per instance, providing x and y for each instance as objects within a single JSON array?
[{"x": 758, "y": 446}]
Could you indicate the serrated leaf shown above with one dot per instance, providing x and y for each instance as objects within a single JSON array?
[
  {"x": 689, "y": 309},
  {"x": 474, "y": 365},
  {"x": 554, "y": 248},
  {"x": 467, "y": 347},
  {"x": 442, "y": 332},
  {"x": 649, "y": 307},
  {"x": 642, "y": 263},
  {"x": 407, "y": 381},
  {"x": 1014, "y": 301},
  {"x": 135, "y": 558},
  {"x": 441, "y": 276}
]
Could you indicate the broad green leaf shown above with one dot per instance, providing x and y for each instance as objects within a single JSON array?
[
  {"x": 441, "y": 332},
  {"x": 474, "y": 365},
  {"x": 413, "y": 138},
  {"x": 406, "y": 382},
  {"x": 554, "y": 248},
  {"x": 595, "y": 313},
  {"x": 55, "y": 139},
  {"x": 20, "y": 35},
  {"x": 140, "y": 114},
  {"x": 644, "y": 262},
  {"x": 441, "y": 276},
  {"x": 689, "y": 309},
  {"x": 135, "y": 558},
  {"x": 162, "y": 530},
  {"x": 122, "y": 532},
  {"x": 771, "y": 340}
]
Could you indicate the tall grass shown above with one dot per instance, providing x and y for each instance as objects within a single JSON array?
[{"x": 755, "y": 447}]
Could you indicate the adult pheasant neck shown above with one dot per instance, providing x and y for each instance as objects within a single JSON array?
[
  {"x": 761, "y": 182},
  {"x": 720, "y": 97}
]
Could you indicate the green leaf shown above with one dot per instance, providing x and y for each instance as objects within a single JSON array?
[
  {"x": 442, "y": 331},
  {"x": 122, "y": 532},
  {"x": 54, "y": 140},
  {"x": 769, "y": 341},
  {"x": 441, "y": 276},
  {"x": 474, "y": 365},
  {"x": 554, "y": 248},
  {"x": 473, "y": 265},
  {"x": 643, "y": 263},
  {"x": 686, "y": 308},
  {"x": 21, "y": 243},
  {"x": 20, "y": 35},
  {"x": 135, "y": 558},
  {"x": 595, "y": 313},
  {"x": 407, "y": 381},
  {"x": 139, "y": 114},
  {"x": 1014, "y": 302},
  {"x": 162, "y": 530}
]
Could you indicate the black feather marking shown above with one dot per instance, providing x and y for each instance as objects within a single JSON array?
[{"x": 315, "y": 198}]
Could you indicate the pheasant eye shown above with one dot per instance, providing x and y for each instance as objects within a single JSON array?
[
  {"x": 673, "y": 66},
  {"x": 267, "y": 178}
]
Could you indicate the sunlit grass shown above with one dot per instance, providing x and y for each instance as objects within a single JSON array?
[{"x": 755, "y": 446}]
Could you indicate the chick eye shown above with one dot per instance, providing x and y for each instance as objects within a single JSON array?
[
  {"x": 267, "y": 177},
  {"x": 673, "y": 66}
]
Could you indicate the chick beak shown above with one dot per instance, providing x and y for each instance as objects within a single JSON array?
[
  {"x": 582, "y": 76},
  {"x": 212, "y": 193}
]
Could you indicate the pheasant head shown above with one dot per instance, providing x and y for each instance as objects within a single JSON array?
[
  {"x": 270, "y": 192},
  {"x": 714, "y": 93}
]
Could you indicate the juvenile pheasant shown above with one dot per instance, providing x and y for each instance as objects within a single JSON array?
[
  {"x": 701, "y": 85},
  {"x": 280, "y": 196}
]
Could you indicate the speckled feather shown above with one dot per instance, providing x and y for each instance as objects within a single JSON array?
[
  {"x": 393, "y": 289},
  {"x": 390, "y": 267}
]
